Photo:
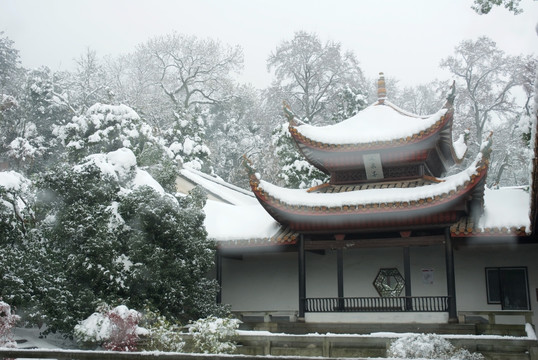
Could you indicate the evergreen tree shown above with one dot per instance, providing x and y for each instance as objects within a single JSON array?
[
  {"x": 81, "y": 232},
  {"x": 170, "y": 253},
  {"x": 186, "y": 140},
  {"x": 9, "y": 66},
  {"x": 104, "y": 128},
  {"x": 103, "y": 231},
  {"x": 484, "y": 6},
  {"x": 295, "y": 171},
  {"x": 349, "y": 102},
  {"x": 31, "y": 145}
]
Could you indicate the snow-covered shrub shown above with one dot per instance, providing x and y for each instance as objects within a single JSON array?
[
  {"x": 116, "y": 329},
  {"x": 124, "y": 329},
  {"x": 163, "y": 335},
  {"x": 428, "y": 346},
  {"x": 94, "y": 330},
  {"x": 214, "y": 335},
  {"x": 7, "y": 321}
]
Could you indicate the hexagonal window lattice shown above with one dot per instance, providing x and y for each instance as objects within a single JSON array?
[{"x": 389, "y": 282}]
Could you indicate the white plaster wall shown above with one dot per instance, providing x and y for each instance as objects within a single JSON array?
[
  {"x": 361, "y": 267},
  {"x": 321, "y": 280},
  {"x": 428, "y": 257},
  {"x": 261, "y": 282},
  {"x": 270, "y": 281},
  {"x": 470, "y": 263}
]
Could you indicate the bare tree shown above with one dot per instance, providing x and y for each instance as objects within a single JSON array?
[
  {"x": 192, "y": 71},
  {"x": 133, "y": 83},
  {"x": 423, "y": 99},
  {"x": 89, "y": 83},
  {"x": 311, "y": 75},
  {"x": 171, "y": 76},
  {"x": 174, "y": 82},
  {"x": 489, "y": 79}
]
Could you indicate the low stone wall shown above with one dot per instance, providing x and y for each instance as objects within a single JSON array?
[
  {"x": 301, "y": 347},
  {"x": 493, "y": 348},
  {"x": 378, "y": 317}
]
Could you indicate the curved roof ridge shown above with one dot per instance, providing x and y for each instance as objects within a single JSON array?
[
  {"x": 214, "y": 179},
  {"x": 449, "y": 186},
  {"x": 349, "y": 133},
  {"x": 402, "y": 111}
]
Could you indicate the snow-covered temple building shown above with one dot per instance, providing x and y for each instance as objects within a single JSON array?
[{"x": 389, "y": 238}]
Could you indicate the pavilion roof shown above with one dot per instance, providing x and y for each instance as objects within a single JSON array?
[
  {"x": 406, "y": 144},
  {"x": 434, "y": 202},
  {"x": 379, "y": 124}
]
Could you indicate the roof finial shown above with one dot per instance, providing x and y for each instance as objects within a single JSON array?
[
  {"x": 287, "y": 112},
  {"x": 381, "y": 90}
]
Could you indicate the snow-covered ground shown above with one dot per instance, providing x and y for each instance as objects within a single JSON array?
[{"x": 30, "y": 338}]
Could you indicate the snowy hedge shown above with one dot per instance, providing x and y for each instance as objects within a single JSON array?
[
  {"x": 214, "y": 335},
  {"x": 115, "y": 329},
  {"x": 428, "y": 346},
  {"x": 7, "y": 322}
]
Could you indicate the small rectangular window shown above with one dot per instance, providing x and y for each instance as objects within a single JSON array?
[{"x": 509, "y": 287}]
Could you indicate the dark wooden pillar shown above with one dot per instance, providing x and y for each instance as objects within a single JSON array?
[
  {"x": 450, "y": 278},
  {"x": 218, "y": 265},
  {"x": 340, "y": 277},
  {"x": 407, "y": 276},
  {"x": 302, "y": 276}
]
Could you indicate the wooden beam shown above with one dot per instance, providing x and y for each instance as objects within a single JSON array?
[
  {"x": 407, "y": 276},
  {"x": 218, "y": 265},
  {"x": 373, "y": 243},
  {"x": 302, "y": 276},
  {"x": 340, "y": 274},
  {"x": 450, "y": 279}
]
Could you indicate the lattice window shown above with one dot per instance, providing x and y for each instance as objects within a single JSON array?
[{"x": 389, "y": 282}]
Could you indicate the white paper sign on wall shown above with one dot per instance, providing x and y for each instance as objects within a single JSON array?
[{"x": 427, "y": 276}]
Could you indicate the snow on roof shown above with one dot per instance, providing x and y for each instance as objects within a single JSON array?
[
  {"x": 238, "y": 222},
  {"x": 506, "y": 207},
  {"x": 375, "y": 123},
  {"x": 242, "y": 218},
  {"x": 302, "y": 197},
  {"x": 460, "y": 147},
  {"x": 143, "y": 178},
  {"x": 220, "y": 188}
]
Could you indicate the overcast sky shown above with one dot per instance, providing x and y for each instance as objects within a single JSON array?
[{"x": 404, "y": 39}]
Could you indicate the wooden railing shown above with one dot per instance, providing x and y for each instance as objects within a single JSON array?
[{"x": 378, "y": 304}]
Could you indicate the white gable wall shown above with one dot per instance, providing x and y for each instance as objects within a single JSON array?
[
  {"x": 265, "y": 282},
  {"x": 470, "y": 263}
]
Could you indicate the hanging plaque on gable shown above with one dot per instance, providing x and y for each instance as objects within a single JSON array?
[{"x": 372, "y": 165}]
